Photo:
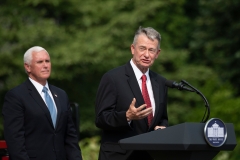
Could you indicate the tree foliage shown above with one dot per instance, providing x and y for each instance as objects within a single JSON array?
[{"x": 216, "y": 41}]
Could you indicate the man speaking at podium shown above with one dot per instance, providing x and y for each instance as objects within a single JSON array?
[{"x": 132, "y": 99}]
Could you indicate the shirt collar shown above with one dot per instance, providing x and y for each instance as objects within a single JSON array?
[
  {"x": 38, "y": 86},
  {"x": 137, "y": 71}
]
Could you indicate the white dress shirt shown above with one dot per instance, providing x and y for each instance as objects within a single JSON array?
[
  {"x": 138, "y": 75},
  {"x": 39, "y": 88}
]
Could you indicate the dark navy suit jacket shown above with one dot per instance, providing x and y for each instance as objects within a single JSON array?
[{"x": 28, "y": 128}]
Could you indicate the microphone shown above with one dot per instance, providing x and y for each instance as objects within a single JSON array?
[{"x": 179, "y": 86}]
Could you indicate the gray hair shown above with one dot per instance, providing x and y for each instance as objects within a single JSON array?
[
  {"x": 27, "y": 58},
  {"x": 149, "y": 32}
]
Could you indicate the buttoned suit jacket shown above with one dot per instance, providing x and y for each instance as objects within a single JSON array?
[
  {"x": 28, "y": 128},
  {"x": 116, "y": 91}
]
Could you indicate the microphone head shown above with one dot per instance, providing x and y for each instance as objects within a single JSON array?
[{"x": 169, "y": 83}]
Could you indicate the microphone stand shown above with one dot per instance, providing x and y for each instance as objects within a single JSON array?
[{"x": 203, "y": 97}]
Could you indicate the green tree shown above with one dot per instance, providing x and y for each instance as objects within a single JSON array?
[
  {"x": 216, "y": 41},
  {"x": 84, "y": 41}
]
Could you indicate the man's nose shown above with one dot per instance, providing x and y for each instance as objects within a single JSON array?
[{"x": 146, "y": 53}]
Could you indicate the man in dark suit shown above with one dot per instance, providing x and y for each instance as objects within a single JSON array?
[
  {"x": 38, "y": 123},
  {"x": 123, "y": 106}
]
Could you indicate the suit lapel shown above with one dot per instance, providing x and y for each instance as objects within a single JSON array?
[
  {"x": 155, "y": 89},
  {"x": 37, "y": 97},
  {"x": 132, "y": 81}
]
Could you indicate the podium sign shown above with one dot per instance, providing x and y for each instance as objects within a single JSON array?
[{"x": 215, "y": 132}]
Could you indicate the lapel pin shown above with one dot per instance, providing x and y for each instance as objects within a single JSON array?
[{"x": 55, "y": 95}]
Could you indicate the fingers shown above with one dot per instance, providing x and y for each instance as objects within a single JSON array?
[
  {"x": 134, "y": 113},
  {"x": 131, "y": 110},
  {"x": 142, "y": 107},
  {"x": 146, "y": 112},
  {"x": 159, "y": 127},
  {"x": 142, "y": 112},
  {"x": 133, "y": 102}
]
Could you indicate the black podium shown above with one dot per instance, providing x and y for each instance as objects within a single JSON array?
[{"x": 184, "y": 141}]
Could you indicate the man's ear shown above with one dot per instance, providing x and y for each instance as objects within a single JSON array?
[
  {"x": 27, "y": 67},
  {"x": 132, "y": 49},
  {"x": 158, "y": 53}
]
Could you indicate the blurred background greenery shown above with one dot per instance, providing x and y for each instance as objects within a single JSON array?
[{"x": 200, "y": 44}]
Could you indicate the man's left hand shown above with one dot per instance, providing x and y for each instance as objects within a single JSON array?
[{"x": 159, "y": 127}]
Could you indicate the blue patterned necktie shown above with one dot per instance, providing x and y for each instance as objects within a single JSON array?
[{"x": 50, "y": 105}]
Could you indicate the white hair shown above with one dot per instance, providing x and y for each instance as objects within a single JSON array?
[{"x": 27, "y": 58}]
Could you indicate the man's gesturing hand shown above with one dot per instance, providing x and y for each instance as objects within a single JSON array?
[{"x": 134, "y": 113}]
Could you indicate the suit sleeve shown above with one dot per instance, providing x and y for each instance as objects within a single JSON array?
[
  {"x": 13, "y": 114},
  {"x": 107, "y": 117}
]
